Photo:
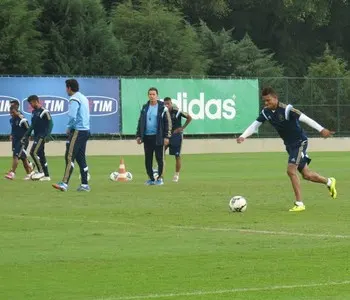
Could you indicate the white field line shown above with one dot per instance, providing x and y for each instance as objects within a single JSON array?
[
  {"x": 179, "y": 227},
  {"x": 68, "y": 220},
  {"x": 267, "y": 232},
  {"x": 228, "y": 291}
]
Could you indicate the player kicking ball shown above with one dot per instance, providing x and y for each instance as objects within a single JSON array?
[
  {"x": 19, "y": 126},
  {"x": 285, "y": 119}
]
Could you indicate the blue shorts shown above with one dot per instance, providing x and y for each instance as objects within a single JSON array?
[
  {"x": 18, "y": 149},
  {"x": 175, "y": 144},
  {"x": 297, "y": 154}
]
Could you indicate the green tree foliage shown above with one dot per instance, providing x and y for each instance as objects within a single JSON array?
[
  {"x": 318, "y": 11},
  {"x": 219, "y": 49},
  {"x": 160, "y": 36},
  {"x": 80, "y": 40},
  {"x": 250, "y": 61},
  {"x": 227, "y": 57},
  {"x": 201, "y": 9},
  {"x": 21, "y": 48},
  {"x": 159, "y": 40},
  {"x": 328, "y": 65},
  {"x": 328, "y": 84}
]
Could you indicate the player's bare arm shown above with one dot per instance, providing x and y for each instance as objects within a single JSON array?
[{"x": 182, "y": 128}]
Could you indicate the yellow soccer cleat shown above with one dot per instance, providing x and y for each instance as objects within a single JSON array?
[
  {"x": 297, "y": 208},
  {"x": 332, "y": 189}
]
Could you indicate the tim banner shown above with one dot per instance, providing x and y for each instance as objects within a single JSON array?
[
  {"x": 216, "y": 105},
  {"x": 103, "y": 95}
]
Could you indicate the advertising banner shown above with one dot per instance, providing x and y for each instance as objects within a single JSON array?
[
  {"x": 103, "y": 95},
  {"x": 216, "y": 105}
]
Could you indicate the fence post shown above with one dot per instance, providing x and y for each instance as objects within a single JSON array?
[
  {"x": 311, "y": 97},
  {"x": 338, "y": 105}
]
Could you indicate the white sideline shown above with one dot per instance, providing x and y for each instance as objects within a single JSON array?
[
  {"x": 200, "y": 228},
  {"x": 228, "y": 291},
  {"x": 191, "y": 146}
]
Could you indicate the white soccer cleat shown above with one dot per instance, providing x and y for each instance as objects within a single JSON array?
[
  {"x": 176, "y": 178},
  {"x": 45, "y": 178},
  {"x": 37, "y": 176},
  {"x": 29, "y": 176},
  {"x": 10, "y": 175}
]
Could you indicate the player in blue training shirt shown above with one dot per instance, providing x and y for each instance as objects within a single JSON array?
[
  {"x": 285, "y": 119},
  {"x": 78, "y": 132},
  {"x": 19, "y": 126},
  {"x": 42, "y": 126}
]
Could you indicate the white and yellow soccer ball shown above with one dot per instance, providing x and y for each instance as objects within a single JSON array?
[
  {"x": 114, "y": 176},
  {"x": 238, "y": 204},
  {"x": 88, "y": 176}
]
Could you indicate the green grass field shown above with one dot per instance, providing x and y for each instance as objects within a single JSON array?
[{"x": 178, "y": 241}]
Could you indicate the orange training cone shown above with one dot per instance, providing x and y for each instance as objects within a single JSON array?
[{"x": 122, "y": 171}]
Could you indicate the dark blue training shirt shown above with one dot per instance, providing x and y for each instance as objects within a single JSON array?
[
  {"x": 41, "y": 122},
  {"x": 19, "y": 126},
  {"x": 285, "y": 119}
]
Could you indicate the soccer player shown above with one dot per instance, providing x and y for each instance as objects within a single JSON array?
[
  {"x": 176, "y": 138},
  {"x": 42, "y": 126},
  {"x": 285, "y": 119},
  {"x": 14, "y": 103},
  {"x": 19, "y": 126},
  {"x": 78, "y": 132},
  {"x": 154, "y": 131}
]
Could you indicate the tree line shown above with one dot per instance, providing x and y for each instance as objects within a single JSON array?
[{"x": 238, "y": 38}]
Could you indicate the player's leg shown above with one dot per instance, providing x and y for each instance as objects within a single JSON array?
[
  {"x": 292, "y": 171},
  {"x": 295, "y": 181},
  {"x": 31, "y": 165},
  {"x": 16, "y": 148},
  {"x": 310, "y": 175},
  {"x": 159, "y": 152},
  {"x": 81, "y": 161},
  {"x": 14, "y": 164},
  {"x": 27, "y": 167},
  {"x": 26, "y": 163},
  {"x": 44, "y": 164},
  {"x": 72, "y": 148},
  {"x": 149, "y": 147},
  {"x": 177, "y": 168},
  {"x": 34, "y": 154},
  {"x": 175, "y": 149},
  {"x": 12, "y": 173},
  {"x": 315, "y": 177}
]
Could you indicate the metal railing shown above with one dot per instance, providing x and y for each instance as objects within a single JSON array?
[{"x": 326, "y": 100}]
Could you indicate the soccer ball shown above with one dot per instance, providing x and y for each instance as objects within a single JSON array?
[
  {"x": 113, "y": 176},
  {"x": 88, "y": 177},
  {"x": 238, "y": 204},
  {"x": 155, "y": 173},
  {"x": 129, "y": 176}
]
